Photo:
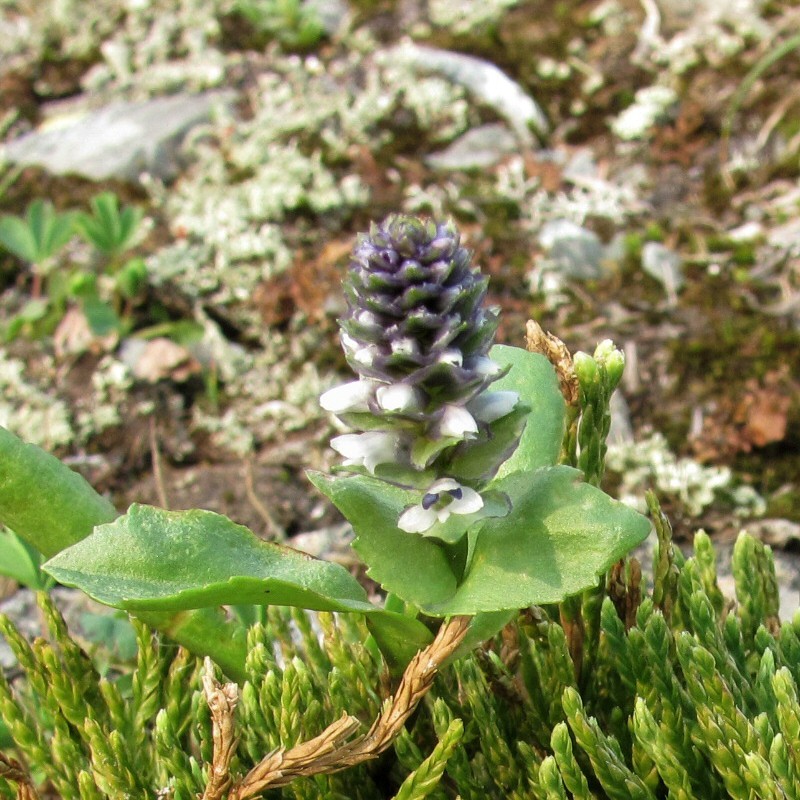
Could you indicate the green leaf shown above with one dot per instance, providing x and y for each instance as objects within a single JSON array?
[
  {"x": 40, "y": 235},
  {"x": 413, "y": 567},
  {"x": 52, "y": 507},
  {"x": 101, "y": 316},
  {"x": 532, "y": 376},
  {"x": 151, "y": 559},
  {"x": 425, "y": 450},
  {"x": 132, "y": 278},
  {"x": 20, "y": 561},
  {"x": 17, "y": 238},
  {"x": 112, "y": 631},
  {"x": 560, "y": 535},
  {"x": 43, "y": 500},
  {"x": 477, "y": 462},
  {"x": 110, "y": 230}
]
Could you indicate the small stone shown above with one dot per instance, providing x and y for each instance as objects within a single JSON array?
[
  {"x": 775, "y": 532},
  {"x": 666, "y": 266},
  {"x": 477, "y": 149},
  {"x": 572, "y": 250},
  {"x": 158, "y": 359},
  {"x": 333, "y": 15},
  {"x": 485, "y": 81},
  {"x": 749, "y": 232},
  {"x": 119, "y": 141}
]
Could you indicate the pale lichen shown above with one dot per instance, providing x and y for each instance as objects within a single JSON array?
[
  {"x": 468, "y": 16},
  {"x": 111, "y": 383},
  {"x": 275, "y": 393},
  {"x": 28, "y": 409},
  {"x": 649, "y": 463}
]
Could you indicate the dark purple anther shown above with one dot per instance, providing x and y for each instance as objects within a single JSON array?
[{"x": 430, "y": 499}]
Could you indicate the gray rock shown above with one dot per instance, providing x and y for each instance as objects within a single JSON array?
[
  {"x": 775, "y": 532},
  {"x": 119, "y": 141},
  {"x": 334, "y": 15},
  {"x": 485, "y": 81},
  {"x": 573, "y": 251},
  {"x": 666, "y": 266},
  {"x": 476, "y": 149}
]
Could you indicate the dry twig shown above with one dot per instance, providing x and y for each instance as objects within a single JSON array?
[
  {"x": 222, "y": 700},
  {"x": 155, "y": 455},
  {"x": 273, "y": 528},
  {"x": 12, "y": 770},
  {"x": 329, "y": 752},
  {"x": 556, "y": 352}
]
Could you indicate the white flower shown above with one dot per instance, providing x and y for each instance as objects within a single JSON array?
[
  {"x": 457, "y": 423},
  {"x": 489, "y": 406},
  {"x": 398, "y": 397},
  {"x": 483, "y": 366},
  {"x": 443, "y": 498},
  {"x": 361, "y": 355},
  {"x": 453, "y": 356},
  {"x": 367, "y": 449},
  {"x": 352, "y": 396}
]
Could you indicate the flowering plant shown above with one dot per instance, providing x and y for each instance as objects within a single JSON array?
[{"x": 470, "y": 481}]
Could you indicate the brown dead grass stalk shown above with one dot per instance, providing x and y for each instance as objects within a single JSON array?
[
  {"x": 12, "y": 770},
  {"x": 222, "y": 700},
  {"x": 330, "y": 751}
]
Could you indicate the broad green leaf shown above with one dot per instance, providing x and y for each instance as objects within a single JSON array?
[
  {"x": 43, "y": 500},
  {"x": 532, "y": 376},
  {"x": 20, "y": 561},
  {"x": 52, "y": 507},
  {"x": 411, "y": 566},
  {"x": 151, "y": 559},
  {"x": 559, "y": 536}
]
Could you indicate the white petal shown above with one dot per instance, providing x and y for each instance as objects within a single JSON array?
[
  {"x": 347, "y": 397},
  {"x": 489, "y": 406},
  {"x": 365, "y": 355},
  {"x": 405, "y": 346},
  {"x": 443, "y": 485},
  {"x": 398, "y": 397},
  {"x": 416, "y": 519},
  {"x": 442, "y": 514},
  {"x": 483, "y": 365},
  {"x": 348, "y": 342},
  {"x": 457, "y": 422},
  {"x": 469, "y": 503},
  {"x": 452, "y": 356},
  {"x": 370, "y": 448}
]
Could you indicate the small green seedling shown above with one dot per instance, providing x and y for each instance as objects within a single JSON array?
[
  {"x": 108, "y": 228},
  {"x": 37, "y": 238}
]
